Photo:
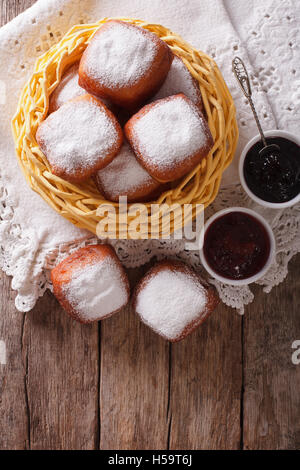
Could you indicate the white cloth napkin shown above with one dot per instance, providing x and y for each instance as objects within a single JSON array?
[{"x": 32, "y": 235}]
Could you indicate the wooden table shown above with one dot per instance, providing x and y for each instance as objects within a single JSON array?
[{"x": 117, "y": 385}]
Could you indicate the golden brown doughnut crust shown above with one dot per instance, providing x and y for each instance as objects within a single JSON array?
[
  {"x": 197, "y": 100},
  {"x": 178, "y": 266},
  {"x": 181, "y": 168},
  {"x": 141, "y": 191},
  {"x": 61, "y": 275},
  {"x": 84, "y": 173},
  {"x": 134, "y": 95},
  {"x": 69, "y": 76}
]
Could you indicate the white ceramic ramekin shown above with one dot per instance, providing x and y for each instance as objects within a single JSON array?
[
  {"x": 260, "y": 274},
  {"x": 272, "y": 205}
]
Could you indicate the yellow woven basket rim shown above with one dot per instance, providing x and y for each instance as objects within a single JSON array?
[{"x": 79, "y": 203}]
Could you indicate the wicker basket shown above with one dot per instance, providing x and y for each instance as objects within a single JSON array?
[{"x": 79, "y": 203}]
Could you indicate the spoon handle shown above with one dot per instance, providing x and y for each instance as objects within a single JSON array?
[{"x": 241, "y": 74}]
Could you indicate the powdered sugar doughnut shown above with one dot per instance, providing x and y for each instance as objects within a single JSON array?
[
  {"x": 91, "y": 283},
  {"x": 169, "y": 137},
  {"x": 69, "y": 89},
  {"x": 124, "y": 63},
  {"x": 179, "y": 80},
  {"x": 124, "y": 176},
  {"x": 81, "y": 137},
  {"x": 173, "y": 300}
]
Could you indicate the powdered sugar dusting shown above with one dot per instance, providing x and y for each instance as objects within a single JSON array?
[
  {"x": 170, "y": 132},
  {"x": 169, "y": 301},
  {"x": 120, "y": 55},
  {"x": 67, "y": 89},
  {"x": 124, "y": 175},
  {"x": 77, "y": 135},
  {"x": 179, "y": 80},
  {"x": 96, "y": 290}
]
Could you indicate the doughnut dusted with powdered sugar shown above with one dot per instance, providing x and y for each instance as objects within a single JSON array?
[
  {"x": 124, "y": 63},
  {"x": 169, "y": 137},
  {"x": 78, "y": 139},
  {"x": 91, "y": 283}
]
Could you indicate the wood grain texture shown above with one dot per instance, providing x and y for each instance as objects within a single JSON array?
[
  {"x": 206, "y": 369},
  {"x": 61, "y": 378},
  {"x": 12, "y": 8},
  {"x": 134, "y": 383},
  {"x": 230, "y": 385},
  {"x": 271, "y": 380},
  {"x": 14, "y": 422}
]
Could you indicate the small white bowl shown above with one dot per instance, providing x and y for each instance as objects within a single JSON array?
[
  {"x": 260, "y": 274},
  {"x": 271, "y": 205}
]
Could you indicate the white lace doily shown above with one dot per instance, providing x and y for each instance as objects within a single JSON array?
[{"x": 265, "y": 34}]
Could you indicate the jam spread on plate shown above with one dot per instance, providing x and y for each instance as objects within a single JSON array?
[
  {"x": 236, "y": 245},
  {"x": 271, "y": 178}
]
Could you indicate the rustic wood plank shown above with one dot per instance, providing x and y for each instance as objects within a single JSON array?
[
  {"x": 14, "y": 430},
  {"x": 62, "y": 378},
  {"x": 206, "y": 384},
  {"x": 14, "y": 422},
  {"x": 134, "y": 383},
  {"x": 12, "y": 8},
  {"x": 272, "y": 382}
]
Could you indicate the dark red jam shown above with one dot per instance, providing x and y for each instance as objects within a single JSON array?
[
  {"x": 236, "y": 245},
  {"x": 271, "y": 178}
]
